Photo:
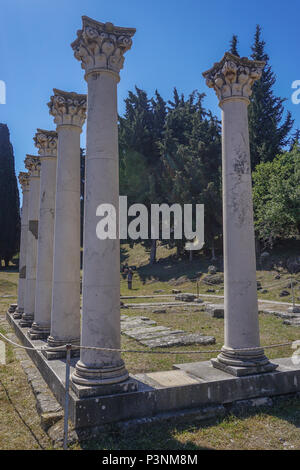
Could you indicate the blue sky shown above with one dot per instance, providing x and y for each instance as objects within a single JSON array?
[{"x": 175, "y": 42}]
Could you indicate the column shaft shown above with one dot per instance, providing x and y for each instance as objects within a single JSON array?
[
  {"x": 31, "y": 251},
  {"x": 100, "y": 48},
  {"x": 65, "y": 313},
  {"x": 232, "y": 79},
  {"x": 22, "y": 259},
  {"x": 240, "y": 292},
  {"x": 101, "y": 258},
  {"x": 42, "y": 318}
]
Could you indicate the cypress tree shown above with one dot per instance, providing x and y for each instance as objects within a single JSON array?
[
  {"x": 269, "y": 133},
  {"x": 9, "y": 200},
  {"x": 233, "y": 45}
]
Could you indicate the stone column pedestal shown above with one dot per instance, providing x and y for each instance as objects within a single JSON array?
[
  {"x": 24, "y": 182},
  {"x": 32, "y": 163},
  {"x": 46, "y": 142},
  {"x": 232, "y": 79},
  {"x": 68, "y": 110},
  {"x": 100, "y": 47}
]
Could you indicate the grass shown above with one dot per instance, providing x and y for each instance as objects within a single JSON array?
[
  {"x": 273, "y": 428},
  {"x": 171, "y": 273},
  {"x": 19, "y": 421},
  {"x": 268, "y": 429}
]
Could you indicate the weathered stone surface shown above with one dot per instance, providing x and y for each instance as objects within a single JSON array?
[
  {"x": 294, "y": 309},
  {"x": 284, "y": 293},
  {"x": 144, "y": 330},
  {"x": 159, "y": 310},
  {"x": 212, "y": 269},
  {"x": 134, "y": 332},
  {"x": 158, "y": 334},
  {"x": 292, "y": 322},
  {"x": 277, "y": 313},
  {"x": 241, "y": 406},
  {"x": 215, "y": 310},
  {"x": 213, "y": 279},
  {"x": 129, "y": 325},
  {"x": 186, "y": 297},
  {"x": 179, "y": 340},
  {"x": 172, "y": 378}
]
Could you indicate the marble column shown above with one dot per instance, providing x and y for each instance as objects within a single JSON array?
[
  {"x": 32, "y": 163},
  {"x": 69, "y": 111},
  {"x": 24, "y": 182},
  {"x": 100, "y": 48},
  {"x": 232, "y": 79},
  {"x": 46, "y": 142}
]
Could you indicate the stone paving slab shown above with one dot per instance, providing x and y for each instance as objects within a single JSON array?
[
  {"x": 179, "y": 340},
  {"x": 130, "y": 325},
  {"x": 150, "y": 331},
  {"x": 172, "y": 378},
  {"x": 159, "y": 334},
  {"x": 145, "y": 331}
]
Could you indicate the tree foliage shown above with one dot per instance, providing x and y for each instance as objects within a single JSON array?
[
  {"x": 268, "y": 128},
  {"x": 9, "y": 200},
  {"x": 276, "y": 197}
]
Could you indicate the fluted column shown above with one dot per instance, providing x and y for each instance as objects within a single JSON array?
[
  {"x": 24, "y": 182},
  {"x": 32, "y": 163},
  {"x": 69, "y": 111},
  {"x": 232, "y": 79},
  {"x": 100, "y": 48},
  {"x": 46, "y": 142}
]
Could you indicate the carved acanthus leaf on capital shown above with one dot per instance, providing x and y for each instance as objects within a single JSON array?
[
  {"x": 68, "y": 108},
  {"x": 101, "y": 46},
  {"x": 24, "y": 180},
  {"x": 46, "y": 142},
  {"x": 33, "y": 165},
  {"x": 233, "y": 76}
]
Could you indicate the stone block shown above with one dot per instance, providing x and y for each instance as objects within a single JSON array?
[{"x": 215, "y": 310}]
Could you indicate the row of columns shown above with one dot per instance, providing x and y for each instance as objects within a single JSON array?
[
  {"x": 49, "y": 300},
  {"x": 51, "y": 291}
]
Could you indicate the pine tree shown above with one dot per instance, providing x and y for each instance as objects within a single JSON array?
[
  {"x": 233, "y": 46},
  {"x": 268, "y": 132},
  {"x": 295, "y": 139},
  {"x": 191, "y": 152},
  {"x": 9, "y": 200},
  {"x": 140, "y": 131}
]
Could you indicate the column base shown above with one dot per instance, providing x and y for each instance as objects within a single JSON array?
[
  {"x": 12, "y": 308},
  {"x": 241, "y": 362},
  {"x": 99, "y": 376},
  {"x": 38, "y": 331},
  {"x": 26, "y": 320},
  {"x": 56, "y": 353},
  {"x": 17, "y": 315}
]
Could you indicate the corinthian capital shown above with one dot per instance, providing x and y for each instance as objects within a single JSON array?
[
  {"x": 233, "y": 76},
  {"x": 101, "y": 46},
  {"x": 68, "y": 108},
  {"x": 24, "y": 180},
  {"x": 33, "y": 165},
  {"x": 46, "y": 142}
]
